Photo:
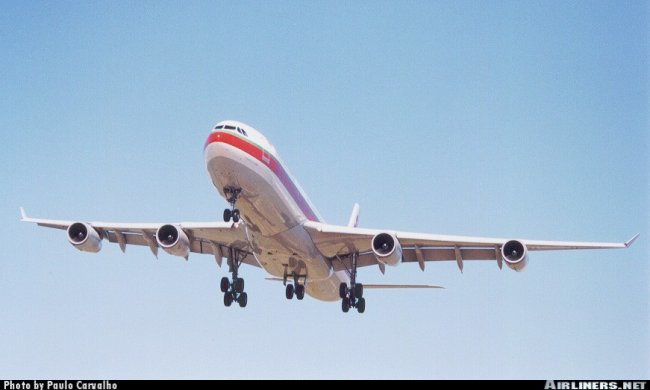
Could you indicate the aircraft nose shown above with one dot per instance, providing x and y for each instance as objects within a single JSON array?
[{"x": 213, "y": 137}]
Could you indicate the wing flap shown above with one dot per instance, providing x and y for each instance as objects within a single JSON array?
[
  {"x": 130, "y": 238},
  {"x": 448, "y": 254},
  {"x": 535, "y": 245}
]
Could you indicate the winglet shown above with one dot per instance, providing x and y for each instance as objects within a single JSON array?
[
  {"x": 631, "y": 240},
  {"x": 23, "y": 215}
]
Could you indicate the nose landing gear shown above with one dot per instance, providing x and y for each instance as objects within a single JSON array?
[{"x": 232, "y": 194}]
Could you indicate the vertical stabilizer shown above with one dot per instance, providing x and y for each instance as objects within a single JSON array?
[{"x": 354, "y": 217}]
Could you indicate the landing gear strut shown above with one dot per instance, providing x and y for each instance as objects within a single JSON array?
[
  {"x": 233, "y": 290},
  {"x": 296, "y": 289},
  {"x": 352, "y": 297},
  {"x": 232, "y": 194}
]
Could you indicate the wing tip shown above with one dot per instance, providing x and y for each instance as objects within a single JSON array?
[
  {"x": 629, "y": 242},
  {"x": 23, "y": 214}
]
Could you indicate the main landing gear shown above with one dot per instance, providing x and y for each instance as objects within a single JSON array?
[
  {"x": 232, "y": 194},
  {"x": 352, "y": 297},
  {"x": 296, "y": 289},
  {"x": 233, "y": 290}
]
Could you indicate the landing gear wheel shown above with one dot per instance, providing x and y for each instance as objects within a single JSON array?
[
  {"x": 343, "y": 290},
  {"x": 290, "y": 291},
  {"x": 231, "y": 193},
  {"x": 243, "y": 300},
  {"x": 225, "y": 285},
  {"x": 233, "y": 289},
  {"x": 345, "y": 305},
  {"x": 227, "y": 299},
  {"x": 352, "y": 297},
  {"x": 361, "y": 306},
  {"x": 300, "y": 292},
  {"x": 239, "y": 285},
  {"x": 358, "y": 291}
]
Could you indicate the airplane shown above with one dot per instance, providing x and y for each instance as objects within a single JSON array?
[{"x": 272, "y": 224}]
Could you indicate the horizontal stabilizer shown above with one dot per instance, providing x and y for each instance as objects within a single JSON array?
[
  {"x": 395, "y": 286},
  {"x": 379, "y": 286}
]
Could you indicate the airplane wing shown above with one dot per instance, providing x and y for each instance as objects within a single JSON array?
[
  {"x": 215, "y": 238},
  {"x": 338, "y": 242}
]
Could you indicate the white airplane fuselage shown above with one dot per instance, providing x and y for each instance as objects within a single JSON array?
[{"x": 273, "y": 207}]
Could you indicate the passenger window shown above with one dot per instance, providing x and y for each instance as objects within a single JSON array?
[{"x": 244, "y": 132}]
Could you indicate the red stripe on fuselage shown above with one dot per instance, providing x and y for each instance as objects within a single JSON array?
[{"x": 265, "y": 158}]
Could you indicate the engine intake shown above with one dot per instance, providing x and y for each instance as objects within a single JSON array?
[
  {"x": 173, "y": 240},
  {"x": 387, "y": 249},
  {"x": 515, "y": 254},
  {"x": 84, "y": 237}
]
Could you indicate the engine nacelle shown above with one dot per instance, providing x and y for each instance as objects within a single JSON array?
[
  {"x": 84, "y": 237},
  {"x": 515, "y": 254},
  {"x": 387, "y": 249},
  {"x": 173, "y": 240}
]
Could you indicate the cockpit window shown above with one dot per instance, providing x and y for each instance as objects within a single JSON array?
[{"x": 234, "y": 128}]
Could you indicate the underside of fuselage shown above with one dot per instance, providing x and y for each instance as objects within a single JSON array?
[{"x": 273, "y": 221}]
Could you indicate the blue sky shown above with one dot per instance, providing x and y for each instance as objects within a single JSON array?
[{"x": 508, "y": 119}]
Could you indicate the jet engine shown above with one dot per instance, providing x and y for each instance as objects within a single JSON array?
[
  {"x": 84, "y": 237},
  {"x": 173, "y": 240},
  {"x": 387, "y": 249},
  {"x": 515, "y": 254}
]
